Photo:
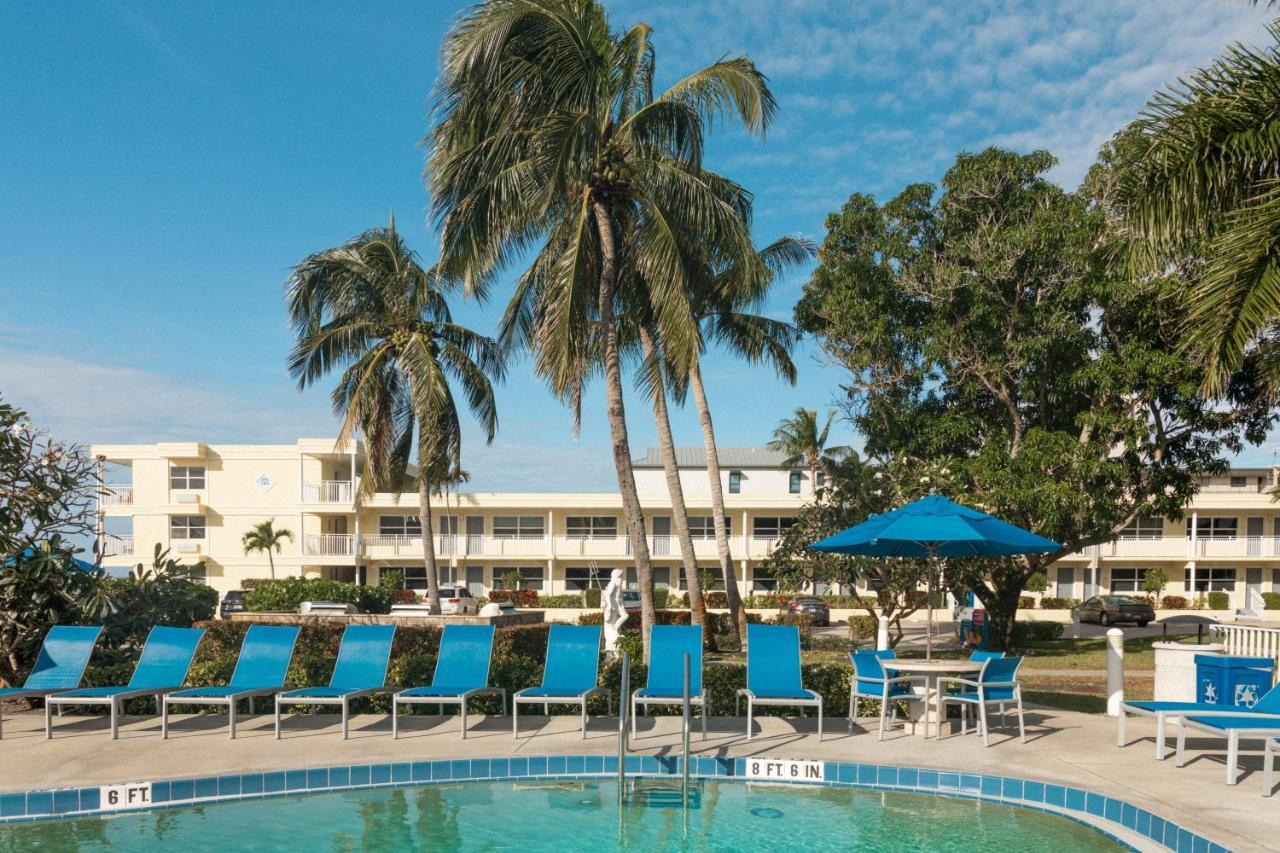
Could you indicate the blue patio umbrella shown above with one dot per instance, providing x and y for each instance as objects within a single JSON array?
[{"x": 934, "y": 527}]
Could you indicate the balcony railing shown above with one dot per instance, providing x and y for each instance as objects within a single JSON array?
[
  {"x": 1239, "y": 546},
  {"x": 116, "y": 495},
  {"x": 327, "y": 492},
  {"x": 117, "y": 546},
  {"x": 329, "y": 545},
  {"x": 515, "y": 545},
  {"x": 593, "y": 546}
]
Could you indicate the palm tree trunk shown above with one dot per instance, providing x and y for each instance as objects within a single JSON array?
[
  {"x": 631, "y": 510},
  {"x": 272, "y": 563},
  {"x": 736, "y": 611},
  {"x": 428, "y": 543},
  {"x": 679, "y": 514}
]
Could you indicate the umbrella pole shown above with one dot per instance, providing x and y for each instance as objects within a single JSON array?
[{"x": 928, "y": 637}]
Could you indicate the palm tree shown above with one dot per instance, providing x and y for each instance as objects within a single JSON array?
[
  {"x": 551, "y": 141},
  {"x": 263, "y": 538},
  {"x": 369, "y": 309},
  {"x": 804, "y": 444},
  {"x": 1203, "y": 192}
]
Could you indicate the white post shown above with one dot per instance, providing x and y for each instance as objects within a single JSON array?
[
  {"x": 882, "y": 634},
  {"x": 1115, "y": 671}
]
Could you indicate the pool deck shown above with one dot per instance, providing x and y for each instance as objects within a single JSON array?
[{"x": 1062, "y": 747}]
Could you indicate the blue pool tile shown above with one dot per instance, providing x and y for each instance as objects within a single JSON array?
[
  {"x": 1129, "y": 816},
  {"x": 402, "y": 772},
  {"x": 649, "y": 764},
  {"x": 90, "y": 799},
  {"x": 1013, "y": 789},
  {"x": 609, "y": 764},
  {"x": 556, "y": 765},
  {"x": 1055, "y": 795},
  {"x": 992, "y": 786},
  {"x": 1094, "y": 804},
  {"x": 160, "y": 792},
  {"x": 13, "y": 805},
  {"x": 1157, "y": 829},
  {"x": 250, "y": 783},
  {"x": 207, "y": 788},
  {"x": 1075, "y": 799},
  {"x": 576, "y": 765},
  {"x": 950, "y": 781},
  {"x": 1185, "y": 842},
  {"x": 867, "y": 774},
  {"x": 184, "y": 790},
  {"x": 886, "y": 776},
  {"x": 272, "y": 783},
  {"x": 1112, "y": 810},
  {"x": 295, "y": 780},
  {"x": 1144, "y": 822},
  {"x": 1201, "y": 845},
  {"x": 739, "y": 767},
  {"x": 380, "y": 774},
  {"x": 519, "y": 767},
  {"x": 595, "y": 764},
  {"x": 318, "y": 778},
  {"x": 1033, "y": 792},
  {"x": 846, "y": 773},
  {"x": 40, "y": 802},
  {"x": 360, "y": 774},
  {"x": 538, "y": 765},
  {"x": 969, "y": 782},
  {"x": 228, "y": 786},
  {"x": 668, "y": 764},
  {"x": 420, "y": 771},
  {"x": 459, "y": 769},
  {"x": 724, "y": 766},
  {"x": 480, "y": 768},
  {"x": 340, "y": 777},
  {"x": 632, "y": 764},
  {"x": 441, "y": 771},
  {"x": 66, "y": 800},
  {"x": 500, "y": 767}
]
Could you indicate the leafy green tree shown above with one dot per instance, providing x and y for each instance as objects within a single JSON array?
[
  {"x": 369, "y": 309},
  {"x": 551, "y": 143},
  {"x": 989, "y": 336},
  {"x": 263, "y": 538},
  {"x": 167, "y": 592},
  {"x": 1154, "y": 583},
  {"x": 805, "y": 443}
]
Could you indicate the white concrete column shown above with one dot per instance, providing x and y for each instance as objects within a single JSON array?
[
  {"x": 882, "y": 634},
  {"x": 1115, "y": 671}
]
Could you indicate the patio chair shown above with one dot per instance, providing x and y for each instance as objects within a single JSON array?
[
  {"x": 773, "y": 672},
  {"x": 1232, "y": 725},
  {"x": 462, "y": 671},
  {"x": 260, "y": 671},
  {"x": 1269, "y": 750},
  {"x": 870, "y": 681},
  {"x": 981, "y": 656},
  {"x": 668, "y": 645},
  {"x": 161, "y": 669},
  {"x": 997, "y": 684},
  {"x": 569, "y": 678},
  {"x": 1165, "y": 711},
  {"x": 64, "y": 654},
  {"x": 361, "y": 670}
]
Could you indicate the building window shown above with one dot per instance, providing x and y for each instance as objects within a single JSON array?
[
  {"x": 770, "y": 527},
  {"x": 518, "y": 526},
  {"x": 399, "y": 525},
  {"x": 198, "y": 573},
  {"x": 1144, "y": 528},
  {"x": 793, "y": 485},
  {"x": 1127, "y": 580},
  {"x": 763, "y": 579},
  {"x": 586, "y": 577},
  {"x": 822, "y": 479},
  {"x": 704, "y": 526},
  {"x": 1211, "y": 580},
  {"x": 186, "y": 527},
  {"x": 415, "y": 577},
  {"x": 661, "y": 576},
  {"x": 735, "y": 482},
  {"x": 186, "y": 478},
  {"x": 1239, "y": 482},
  {"x": 703, "y": 571},
  {"x": 1220, "y": 527},
  {"x": 530, "y": 576},
  {"x": 591, "y": 526}
]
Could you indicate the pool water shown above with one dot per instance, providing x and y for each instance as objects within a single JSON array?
[{"x": 568, "y": 816}]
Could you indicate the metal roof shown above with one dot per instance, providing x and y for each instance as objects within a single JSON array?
[{"x": 730, "y": 457}]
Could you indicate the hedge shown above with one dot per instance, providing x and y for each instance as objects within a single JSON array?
[
  {"x": 1026, "y": 602},
  {"x": 518, "y": 597},
  {"x": 1218, "y": 601},
  {"x": 1174, "y": 602},
  {"x": 284, "y": 596},
  {"x": 1055, "y": 603},
  {"x": 1271, "y": 600},
  {"x": 863, "y": 627},
  {"x": 574, "y": 601},
  {"x": 1035, "y": 632}
]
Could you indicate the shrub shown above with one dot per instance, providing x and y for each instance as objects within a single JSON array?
[
  {"x": 592, "y": 597},
  {"x": 1218, "y": 601},
  {"x": 1174, "y": 602},
  {"x": 1055, "y": 603},
  {"x": 661, "y": 617},
  {"x": 405, "y": 596},
  {"x": 803, "y": 621},
  {"x": 768, "y": 601},
  {"x": 863, "y": 627},
  {"x": 718, "y": 599},
  {"x": 1038, "y": 582},
  {"x": 660, "y": 598},
  {"x": 284, "y": 596},
  {"x": 1155, "y": 582},
  {"x": 848, "y": 602},
  {"x": 1026, "y": 602},
  {"x": 1271, "y": 600},
  {"x": 571, "y": 601},
  {"x": 518, "y": 597},
  {"x": 1036, "y": 632}
]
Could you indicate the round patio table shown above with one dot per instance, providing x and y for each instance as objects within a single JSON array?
[{"x": 932, "y": 670}]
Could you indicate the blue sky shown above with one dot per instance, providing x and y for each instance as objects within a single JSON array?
[{"x": 162, "y": 166}]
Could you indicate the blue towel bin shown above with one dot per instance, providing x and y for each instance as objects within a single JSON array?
[{"x": 1232, "y": 681}]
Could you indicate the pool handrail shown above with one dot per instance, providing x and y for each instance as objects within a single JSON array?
[
  {"x": 668, "y": 644},
  {"x": 60, "y": 665},
  {"x": 462, "y": 671}
]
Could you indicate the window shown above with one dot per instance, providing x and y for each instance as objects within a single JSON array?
[
  {"x": 199, "y": 573},
  {"x": 1127, "y": 580},
  {"x": 661, "y": 576},
  {"x": 586, "y": 577},
  {"x": 793, "y": 485},
  {"x": 530, "y": 576},
  {"x": 714, "y": 571},
  {"x": 1144, "y": 528},
  {"x": 1211, "y": 580},
  {"x": 186, "y": 527},
  {"x": 186, "y": 477},
  {"x": 399, "y": 525},
  {"x": 1221, "y": 527},
  {"x": 592, "y": 526},
  {"x": 822, "y": 479},
  {"x": 704, "y": 526},
  {"x": 415, "y": 577},
  {"x": 770, "y": 527},
  {"x": 763, "y": 579},
  {"x": 1239, "y": 482},
  {"x": 518, "y": 526},
  {"x": 735, "y": 482}
]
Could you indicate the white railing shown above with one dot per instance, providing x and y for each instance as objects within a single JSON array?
[
  {"x": 1227, "y": 488},
  {"x": 327, "y": 492},
  {"x": 117, "y": 546},
  {"x": 394, "y": 545},
  {"x": 116, "y": 495},
  {"x": 593, "y": 546},
  {"x": 1147, "y": 546},
  {"x": 517, "y": 545},
  {"x": 1238, "y": 546},
  {"x": 1248, "y": 640},
  {"x": 329, "y": 545},
  {"x": 762, "y": 546}
]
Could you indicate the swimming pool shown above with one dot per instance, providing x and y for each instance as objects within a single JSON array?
[{"x": 574, "y": 815}]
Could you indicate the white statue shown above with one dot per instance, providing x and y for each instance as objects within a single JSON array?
[{"x": 615, "y": 611}]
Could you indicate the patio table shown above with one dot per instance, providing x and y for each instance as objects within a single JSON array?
[{"x": 932, "y": 670}]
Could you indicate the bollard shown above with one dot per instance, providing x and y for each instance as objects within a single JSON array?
[
  {"x": 1115, "y": 671},
  {"x": 882, "y": 634}
]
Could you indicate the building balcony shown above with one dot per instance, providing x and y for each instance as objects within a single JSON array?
[
  {"x": 759, "y": 547},
  {"x": 117, "y": 546},
  {"x": 329, "y": 545},
  {"x": 529, "y": 545},
  {"x": 1238, "y": 547},
  {"x": 327, "y": 492},
  {"x": 116, "y": 496},
  {"x": 592, "y": 546},
  {"x": 1147, "y": 547}
]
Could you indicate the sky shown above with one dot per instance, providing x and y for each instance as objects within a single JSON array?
[{"x": 163, "y": 166}]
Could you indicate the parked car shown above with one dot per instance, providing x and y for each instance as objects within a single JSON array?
[
  {"x": 457, "y": 600},
  {"x": 1108, "y": 609},
  {"x": 813, "y": 607},
  {"x": 232, "y": 602},
  {"x": 631, "y": 599}
]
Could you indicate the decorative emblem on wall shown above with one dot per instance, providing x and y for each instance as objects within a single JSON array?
[{"x": 264, "y": 482}]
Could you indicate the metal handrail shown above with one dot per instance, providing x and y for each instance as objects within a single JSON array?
[
  {"x": 623, "y": 706},
  {"x": 684, "y": 763}
]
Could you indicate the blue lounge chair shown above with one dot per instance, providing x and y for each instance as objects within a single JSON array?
[
  {"x": 361, "y": 670},
  {"x": 668, "y": 645},
  {"x": 1232, "y": 724},
  {"x": 569, "y": 678},
  {"x": 870, "y": 681},
  {"x": 59, "y": 666},
  {"x": 997, "y": 684},
  {"x": 161, "y": 669},
  {"x": 773, "y": 672},
  {"x": 260, "y": 671},
  {"x": 1164, "y": 711},
  {"x": 462, "y": 671},
  {"x": 981, "y": 656}
]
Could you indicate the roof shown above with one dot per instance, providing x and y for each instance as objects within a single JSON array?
[{"x": 730, "y": 457}]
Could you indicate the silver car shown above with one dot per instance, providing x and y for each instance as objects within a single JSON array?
[{"x": 457, "y": 600}]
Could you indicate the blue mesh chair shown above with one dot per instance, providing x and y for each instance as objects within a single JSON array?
[
  {"x": 361, "y": 670},
  {"x": 64, "y": 654},
  {"x": 997, "y": 684},
  {"x": 668, "y": 645},
  {"x": 570, "y": 676},
  {"x": 1164, "y": 711},
  {"x": 870, "y": 681},
  {"x": 773, "y": 672},
  {"x": 161, "y": 669},
  {"x": 981, "y": 656},
  {"x": 260, "y": 671},
  {"x": 462, "y": 671}
]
